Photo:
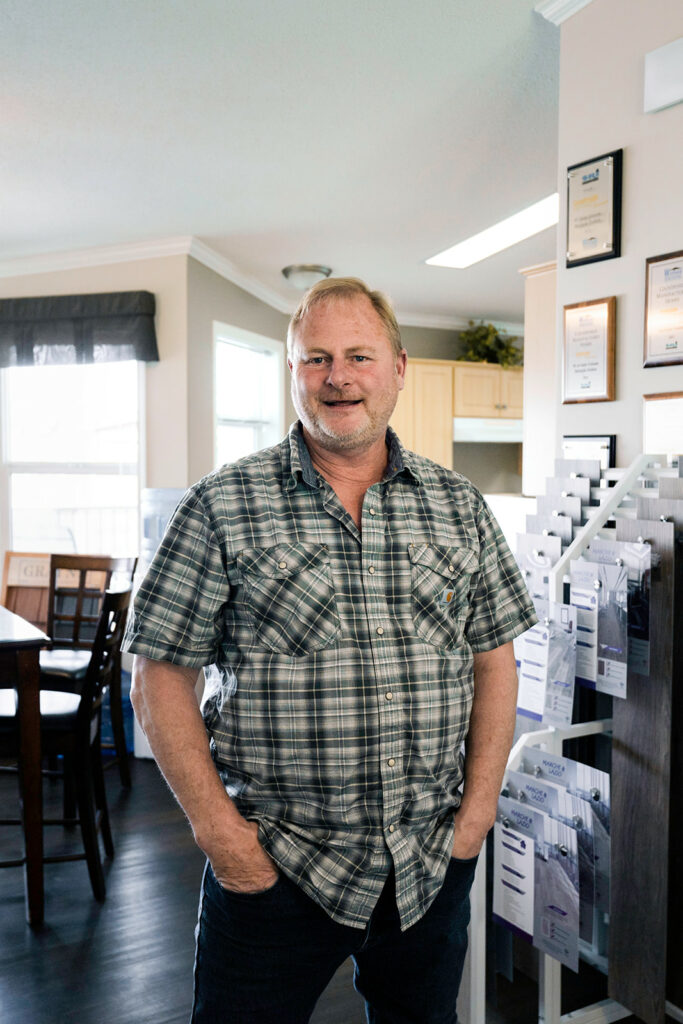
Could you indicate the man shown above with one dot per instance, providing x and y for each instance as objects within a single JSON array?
[{"x": 356, "y": 604}]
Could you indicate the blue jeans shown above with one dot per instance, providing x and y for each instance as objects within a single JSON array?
[{"x": 265, "y": 958}]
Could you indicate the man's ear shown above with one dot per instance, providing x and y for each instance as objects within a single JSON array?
[{"x": 401, "y": 364}]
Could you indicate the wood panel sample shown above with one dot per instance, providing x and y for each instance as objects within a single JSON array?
[{"x": 641, "y": 776}]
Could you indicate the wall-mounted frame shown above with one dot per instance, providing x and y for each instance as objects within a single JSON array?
[
  {"x": 594, "y": 209},
  {"x": 602, "y": 447},
  {"x": 663, "y": 342},
  {"x": 663, "y": 423},
  {"x": 588, "y": 351}
]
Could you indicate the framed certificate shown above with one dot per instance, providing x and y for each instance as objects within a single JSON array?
[
  {"x": 588, "y": 351},
  {"x": 594, "y": 209},
  {"x": 663, "y": 310}
]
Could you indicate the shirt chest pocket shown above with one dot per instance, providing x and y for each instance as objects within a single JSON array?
[
  {"x": 289, "y": 596},
  {"x": 440, "y": 584}
]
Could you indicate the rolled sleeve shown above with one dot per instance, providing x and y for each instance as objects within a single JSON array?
[
  {"x": 177, "y": 611},
  {"x": 501, "y": 607}
]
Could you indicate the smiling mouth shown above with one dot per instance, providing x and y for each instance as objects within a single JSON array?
[{"x": 343, "y": 403}]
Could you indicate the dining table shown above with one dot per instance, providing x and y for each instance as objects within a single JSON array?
[{"x": 20, "y": 645}]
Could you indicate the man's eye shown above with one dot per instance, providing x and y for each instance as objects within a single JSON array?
[
  {"x": 315, "y": 359},
  {"x": 361, "y": 359}
]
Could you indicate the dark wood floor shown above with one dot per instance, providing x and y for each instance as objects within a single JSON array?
[{"x": 129, "y": 961}]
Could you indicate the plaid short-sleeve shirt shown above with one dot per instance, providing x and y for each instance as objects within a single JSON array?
[{"x": 340, "y": 681}]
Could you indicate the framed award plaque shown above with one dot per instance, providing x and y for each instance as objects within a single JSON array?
[
  {"x": 588, "y": 351},
  {"x": 594, "y": 209},
  {"x": 663, "y": 343}
]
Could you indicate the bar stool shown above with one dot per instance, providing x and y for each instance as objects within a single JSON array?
[
  {"x": 70, "y": 726},
  {"x": 76, "y": 591}
]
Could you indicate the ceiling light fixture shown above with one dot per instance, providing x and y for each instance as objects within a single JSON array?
[
  {"x": 510, "y": 231},
  {"x": 305, "y": 275}
]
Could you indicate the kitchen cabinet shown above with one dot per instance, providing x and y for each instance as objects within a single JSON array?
[
  {"x": 438, "y": 389},
  {"x": 423, "y": 418},
  {"x": 485, "y": 390}
]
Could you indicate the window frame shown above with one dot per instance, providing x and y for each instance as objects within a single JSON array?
[
  {"x": 7, "y": 468},
  {"x": 228, "y": 334}
]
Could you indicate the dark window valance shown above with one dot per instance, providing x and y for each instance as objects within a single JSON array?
[{"x": 103, "y": 328}]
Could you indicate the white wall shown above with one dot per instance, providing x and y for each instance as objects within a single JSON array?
[{"x": 601, "y": 101}]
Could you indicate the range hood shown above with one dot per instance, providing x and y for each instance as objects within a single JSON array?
[{"x": 471, "y": 429}]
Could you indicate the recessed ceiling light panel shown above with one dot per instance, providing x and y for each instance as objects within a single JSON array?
[{"x": 510, "y": 231}]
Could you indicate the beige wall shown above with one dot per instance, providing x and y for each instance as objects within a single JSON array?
[
  {"x": 540, "y": 408},
  {"x": 430, "y": 342},
  {"x": 166, "y": 392},
  {"x": 601, "y": 100},
  {"x": 212, "y": 298}
]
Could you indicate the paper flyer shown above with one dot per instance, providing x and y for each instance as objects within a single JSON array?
[
  {"x": 547, "y": 911},
  {"x": 556, "y": 895},
  {"x": 612, "y": 629},
  {"x": 513, "y": 880},
  {"x": 561, "y": 670},
  {"x": 637, "y": 558},
  {"x": 536, "y": 555},
  {"x": 546, "y": 667},
  {"x": 575, "y": 812},
  {"x": 593, "y": 786},
  {"x": 584, "y": 597}
]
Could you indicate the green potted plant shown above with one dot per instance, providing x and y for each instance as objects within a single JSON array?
[{"x": 483, "y": 343}]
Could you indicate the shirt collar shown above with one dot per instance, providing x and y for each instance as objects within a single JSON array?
[{"x": 400, "y": 461}]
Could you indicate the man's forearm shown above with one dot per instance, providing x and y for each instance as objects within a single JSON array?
[
  {"x": 166, "y": 707},
  {"x": 492, "y": 724}
]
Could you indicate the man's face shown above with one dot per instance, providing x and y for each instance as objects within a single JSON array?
[{"x": 345, "y": 376}]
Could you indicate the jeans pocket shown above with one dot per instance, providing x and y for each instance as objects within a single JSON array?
[{"x": 235, "y": 894}]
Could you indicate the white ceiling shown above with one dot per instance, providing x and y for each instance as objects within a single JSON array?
[{"x": 364, "y": 135}]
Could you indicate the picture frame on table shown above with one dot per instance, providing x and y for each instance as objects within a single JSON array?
[
  {"x": 588, "y": 351},
  {"x": 594, "y": 209},
  {"x": 663, "y": 336}
]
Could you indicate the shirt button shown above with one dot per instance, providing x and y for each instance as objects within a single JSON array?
[
  {"x": 391, "y": 762},
  {"x": 392, "y": 828},
  {"x": 282, "y": 565},
  {"x": 389, "y": 695},
  {"x": 379, "y": 631},
  {"x": 372, "y": 512},
  {"x": 371, "y": 569},
  {"x": 451, "y": 568}
]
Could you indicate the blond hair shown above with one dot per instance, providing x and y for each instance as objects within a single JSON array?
[{"x": 341, "y": 288}]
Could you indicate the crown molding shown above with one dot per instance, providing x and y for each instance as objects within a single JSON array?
[
  {"x": 433, "y": 321},
  {"x": 558, "y": 11},
  {"x": 538, "y": 268},
  {"x": 188, "y": 245},
  {"x": 207, "y": 256},
  {"x": 455, "y": 323},
  {"x": 101, "y": 255}
]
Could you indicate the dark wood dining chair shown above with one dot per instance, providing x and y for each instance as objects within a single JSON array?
[
  {"x": 77, "y": 584},
  {"x": 70, "y": 726}
]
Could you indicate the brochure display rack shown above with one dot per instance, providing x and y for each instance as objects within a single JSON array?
[{"x": 625, "y": 547}]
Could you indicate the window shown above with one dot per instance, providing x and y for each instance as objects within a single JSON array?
[
  {"x": 249, "y": 393},
  {"x": 71, "y": 457}
]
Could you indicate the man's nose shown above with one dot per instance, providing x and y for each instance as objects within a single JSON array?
[{"x": 339, "y": 375}]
